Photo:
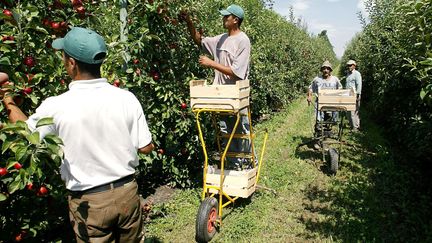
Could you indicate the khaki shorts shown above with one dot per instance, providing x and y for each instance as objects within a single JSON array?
[{"x": 110, "y": 216}]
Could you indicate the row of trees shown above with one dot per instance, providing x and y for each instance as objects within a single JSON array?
[
  {"x": 394, "y": 56},
  {"x": 154, "y": 58}
]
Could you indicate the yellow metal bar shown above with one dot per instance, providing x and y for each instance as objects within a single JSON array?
[
  {"x": 261, "y": 157},
  {"x": 201, "y": 137},
  {"x": 251, "y": 137}
]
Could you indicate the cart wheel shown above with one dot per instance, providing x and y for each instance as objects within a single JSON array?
[
  {"x": 334, "y": 160},
  {"x": 205, "y": 227}
]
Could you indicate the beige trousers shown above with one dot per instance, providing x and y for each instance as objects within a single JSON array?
[{"x": 110, "y": 216}]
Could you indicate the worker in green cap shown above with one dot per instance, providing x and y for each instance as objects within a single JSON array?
[{"x": 231, "y": 58}]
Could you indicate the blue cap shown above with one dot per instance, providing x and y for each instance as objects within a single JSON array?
[
  {"x": 233, "y": 9},
  {"x": 84, "y": 45}
]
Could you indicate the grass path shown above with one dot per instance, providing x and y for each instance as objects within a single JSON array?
[{"x": 310, "y": 205}]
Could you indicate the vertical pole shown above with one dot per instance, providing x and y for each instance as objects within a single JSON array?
[{"x": 124, "y": 32}]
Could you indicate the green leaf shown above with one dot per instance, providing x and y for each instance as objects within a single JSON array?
[
  {"x": 7, "y": 144},
  {"x": 34, "y": 138},
  {"x": 53, "y": 139},
  {"x": 34, "y": 99},
  {"x": 422, "y": 94},
  {"x": 15, "y": 185},
  {"x": 45, "y": 121},
  {"x": 5, "y": 61},
  {"x": 20, "y": 152},
  {"x": 2, "y": 197}
]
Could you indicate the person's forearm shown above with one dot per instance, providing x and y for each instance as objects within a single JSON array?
[
  {"x": 147, "y": 149},
  {"x": 223, "y": 69},
  {"x": 14, "y": 112},
  {"x": 196, "y": 36}
]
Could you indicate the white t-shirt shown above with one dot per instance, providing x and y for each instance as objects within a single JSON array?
[
  {"x": 102, "y": 128},
  {"x": 232, "y": 51}
]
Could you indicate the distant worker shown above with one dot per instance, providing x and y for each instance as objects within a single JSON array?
[
  {"x": 323, "y": 81},
  {"x": 354, "y": 79},
  {"x": 231, "y": 53}
]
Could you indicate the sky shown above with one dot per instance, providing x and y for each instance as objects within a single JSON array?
[{"x": 338, "y": 17}]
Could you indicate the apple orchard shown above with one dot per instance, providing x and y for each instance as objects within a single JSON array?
[{"x": 151, "y": 54}]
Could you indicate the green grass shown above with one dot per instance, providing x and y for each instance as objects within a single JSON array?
[{"x": 361, "y": 203}]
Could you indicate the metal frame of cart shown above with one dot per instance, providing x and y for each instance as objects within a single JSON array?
[{"x": 339, "y": 101}]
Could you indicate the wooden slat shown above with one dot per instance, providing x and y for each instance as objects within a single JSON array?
[
  {"x": 219, "y": 91},
  {"x": 236, "y": 192},
  {"x": 348, "y": 107},
  {"x": 235, "y": 104},
  {"x": 233, "y": 178},
  {"x": 230, "y": 181}
]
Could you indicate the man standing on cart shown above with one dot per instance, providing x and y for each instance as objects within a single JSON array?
[
  {"x": 231, "y": 53},
  {"x": 324, "y": 81},
  {"x": 354, "y": 79}
]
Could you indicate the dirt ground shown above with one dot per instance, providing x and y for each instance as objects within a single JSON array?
[{"x": 162, "y": 194}]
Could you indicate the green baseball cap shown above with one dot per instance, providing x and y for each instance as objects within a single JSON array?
[
  {"x": 82, "y": 44},
  {"x": 233, "y": 9}
]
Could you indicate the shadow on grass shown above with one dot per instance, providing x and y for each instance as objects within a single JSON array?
[
  {"x": 372, "y": 199},
  {"x": 307, "y": 152}
]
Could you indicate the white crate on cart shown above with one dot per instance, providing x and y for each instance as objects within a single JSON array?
[
  {"x": 228, "y": 96},
  {"x": 344, "y": 99},
  {"x": 235, "y": 183}
]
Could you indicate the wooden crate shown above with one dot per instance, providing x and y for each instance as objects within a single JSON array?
[
  {"x": 231, "y": 97},
  {"x": 338, "y": 99},
  {"x": 235, "y": 183}
]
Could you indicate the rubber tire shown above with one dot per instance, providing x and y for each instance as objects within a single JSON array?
[
  {"x": 207, "y": 209},
  {"x": 334, "y": 160}
]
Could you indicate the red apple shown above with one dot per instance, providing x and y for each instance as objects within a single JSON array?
[
  {"x": 27, "y": 90},
  {"x": 62, "y": 82},
  {"x": 63, "y": 25},
  {"x": 17, "y": 166},
  {"x": 76, "y": 3},
  {"x": 42, "y": 191},
  {"x": 29, "y": 61},
  {"x": 7, "y": 12},
  {"x": 29, "y": 186},
  {"x": 3, "y": 171},
  {"x": 156, "y": 76},
  {"x": 8, "y": 38},
  {"x": 55, "y": 25},
  {"x": 46, "y": 22},
  {"x": 117, "y": 83},
  {"x": 183, "y": 105},
  {"x": 135, "y": 61},
  {"x": 80, "y": 10},
  {"x": 19, "y": 237},
  {"x": 160, "y": 151}
]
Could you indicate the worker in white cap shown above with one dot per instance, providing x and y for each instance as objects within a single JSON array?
[{"x": 354, "y": 80}]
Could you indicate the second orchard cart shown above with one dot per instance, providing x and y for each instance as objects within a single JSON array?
[{"x": 330, "y": 112}]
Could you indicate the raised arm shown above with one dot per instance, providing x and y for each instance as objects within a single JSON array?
[{"x": 196, "y": 36}]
